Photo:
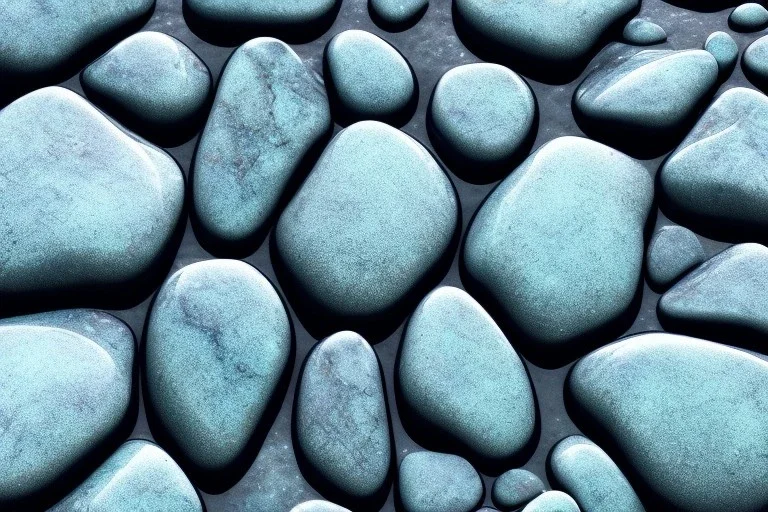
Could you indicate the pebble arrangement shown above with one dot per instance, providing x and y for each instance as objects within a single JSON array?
[{"x": 412, "y": 255}]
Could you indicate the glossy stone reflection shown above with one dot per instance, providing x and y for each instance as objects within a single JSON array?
[{"x": 438, "y": 482}]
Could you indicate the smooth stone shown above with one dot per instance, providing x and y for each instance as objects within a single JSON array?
[
  {"x": 451, "y": 343},
  {"x": 755, "y": 63},
  {"x": 553, "y": 501},
  {"x": 516, "y": 487},
  {"x": 643, "y": 33},
  {"x": 397, "y": 13},
  {"x": 318, "y": 506},
  {"x": 725, "y": 51},
  {"x": 217, "y": 344},
  {"x": 716, "y": 179},
  {"x": 588, "y": 474},
  {"x": 369, "y": 78},
  {"x": 138, "y": 476},
  {"x": 558, "y": 245},
  {"x": 438, "y": 482},
  {"x": 84, "y": 203},
  {"x": 270, "y": 111},
  {"x": 342, "y": 427},
  {"x": 65, "y": 387},
  {"x": 661, "y": 399},
  {"x": 348, "y": 236},
  {"x": 289, "y": 16},
  {"x": 749, "y": 17},
  {"x": 673, "y": 251}
]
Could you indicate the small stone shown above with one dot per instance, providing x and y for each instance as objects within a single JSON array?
[
  {"x": 755, "y": 63},
  {"x": 341, "y": 416},
  {"x": 138, "y": 476},
  {"x": 397, "y": 14},
  {"x": 318, "y": 506},
  {"x": 553, "y": 501},
  {"x": 725, "y": 51},
  {"x": 588, "y": 474},
  {"x": 643, "y": 33},
  {"x": 673, "y": 251},
  {"x": 368, "y": 78},
  {"x": 438, "y": 482},
  {"x": 749, "y": 17},
  {"x": 515, "y": 488}
]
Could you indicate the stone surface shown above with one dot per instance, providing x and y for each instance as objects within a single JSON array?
[
  {"x": 643, "y": 32},
  {"x": 553, "y": 501},
  {"x": 749, "y": 17},
  {"x": 672, "y": 252},
  {"x": 342, "y": 427},
  {"x": 139, "y": 476},
  {"x": 318, "y": 506},
  {"x": 217, "y": 344},
  {"x": 438, "y": 482},
  {"x": 755, "y": 63},
  {"x": 559, "y": 244},
  {"x": 458, "y": 373},
  {"x": 287, "y": 15},
  {"x": 690, "y": 402},
  {"x": 725, "y": 51},
  {"x": 398, "y": 13},
  {"x": 270, "y": 110},
  {"x": 83, "y": 203},
  {"x": 516, "y": 487},
  {"x": 588, "y": 474}
]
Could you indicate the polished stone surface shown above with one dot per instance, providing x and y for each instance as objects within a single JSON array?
[
  {"x": 515, "y": 488},
  {"x": 553, "y": 501},
  {"x": 749, "y": 17},
  {"x": 438, "y": 482},
  {"x": 643, "y": 33},
  {"x": 725, "y": 51},
  {"x": 672, "y": 251}
]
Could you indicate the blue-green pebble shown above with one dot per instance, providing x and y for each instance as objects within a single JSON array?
[
  {"x": 438, "y": 482},
  {"x": 749, "y": 17},
  {"x": 398, "y": 12},
  {"x": 553, "y": 501},
  {"x": 460, "y": 375},
  {"x": 643, "y": 32},
  {"x": 673, "y": 251},
  {"x": 725, "y": 51},
  {"x": 755, "y": 63},
  {"x": 286, "y": 14},
  {"x": 318, "y": 506},
  {"x": 687, "y": 416},
  {"x": 516, "y": 487},
  {"x": 217, "y": 344}
]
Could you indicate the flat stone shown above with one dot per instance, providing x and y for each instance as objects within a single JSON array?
[
  {"x": 287, "y": 15},
  {"x": 749, "y": 17},
  {"x": 725, "y": 51},
  {"x": 318, "y": 506},
  {"x": 438, "y": 482},
  {"x": 398, "y": 13},
  {"x": 553, "y": 501},
  {"x": 348, "y": 236},
  {"x": 138, "y": 476},
  {"x": 516, "y": 487},
  {"x": 755, "y": 63},
  {"x": 643, "y": 33},
  {"x": 587, "y": 473},
  {"x": 673, "y": 251},
  {"x": 341, "y": 419},
  {"x": 369, "y": 77},
  {"x": 217, "y": 344},
  {"x": 458, "y": 373},
  {"x": 559, "y": 244},
  {"x": 84, "y": 203},
  {"x": 662, "y": 399}
]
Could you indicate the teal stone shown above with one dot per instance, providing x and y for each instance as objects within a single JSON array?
[
  {"x": 716, "y": 179},
  {"x": 643, "y": 33},
  {"x": 558, "y": 245},
  {"x": 588, "y": 474},
  {"x": 725, "y": 51},
  {"x": 348, "y": 236},
  {"x": 65, "y": 387},
  {"x": 138, "y": 476},
  {"x": 397, "y": 14},
  {"x": 368, "y": 78},
  {"x": 438, "y": 482},
  {"x": 269, "y": 113},
  {"x": 217, "y": 344},
  {"x": 553, "y": 501},
  {"x": 669, "y": 402},
  {"x": 755, "y": 63},
  {"x": 83, "y": 203},
  {"x": 342, "y": 427},
  {"x": 318, "y": 506},
  {"x": 749, "y": 17},
  {"x": 516, "y": 487},
  {"x": 451, "y": 343},
  {"x": 482, "y": 116},
  {"x": 673, "y": 251}
]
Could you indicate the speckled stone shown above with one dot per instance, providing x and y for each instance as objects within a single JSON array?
[
  {"x": 341, "y": 416},
  {"x": 285, "y": 14},
  {"x": 662, "y": 399},
  {"x": 82, "y": 202},
  {"x": 318, "y": 506},
  {"x": 643, "y": 32},
  {"x": 749, "y": 17},
  {"x": 269, "y": 111},
  {"x": 725, "y": 51},
  {"x": 559, "y": 244},
  {"x": 370, "y": 79},
  {"x": 755, "y": 63},
  {"x": 553, "y": 501},
  {"x": 515, "y": 488},
  {"x": 588, "y": 474},
  {"x": 458, "y": 373},
  {"x": 139, "y": 476},
  {"x": 673, "y": 251},
  {"x": 65, "y": 386},
  {"x": 348, "y": 237},
  {"x": 395, "y": 13},
  {"x": 217, "y": 343},
  {"x": 717, "y": 177},
  {"x": 438, "y": 482}
]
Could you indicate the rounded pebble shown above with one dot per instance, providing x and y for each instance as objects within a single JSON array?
[
  {"x": 318, "y": 506},
  {"x": 553, "y": 501},
  {"x": 672, "y": 252},
  {"x": 438, "y": 482},
  {"x": 755, "y": 63},
  {"x": 749, "y": 17},
  {"x": 397, "y": 14},
  {"x": 515, "y": 488},
  {"x": 643, "y": 33},
  {"x": 725, "y": 51}
]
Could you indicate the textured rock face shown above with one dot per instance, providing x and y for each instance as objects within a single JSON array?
[
  {"x": 725, "y": 51},
  {"x": 438, "y": 482},
  {"x": 515, "y": 488},
  {"x": 672, "y": 252},
  {"x": 553, "y": 501},
  {"x": 663, "y": 399},
  {"x": 755, "y": 63},
  {"x": 643, "y": 32}
]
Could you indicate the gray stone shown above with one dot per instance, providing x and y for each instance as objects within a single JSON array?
[
  {"x": 749, "y": 17},
  {"x": 438, "y": 482},
  {"x": 290, "y": 16},
  {"x": 516, "y": 487},
  {"x": 318, "y": 506},
  {"x": 755, "y": 63},
  {"x": 398, "y": 13},
  {"x": 643, "y": 33},
  {"x": 673, "y": 251},
  {"x": 552, "y": 501},
  {"x": 725, "y": 51}
]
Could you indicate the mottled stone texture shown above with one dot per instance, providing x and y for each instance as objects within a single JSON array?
[{"x": 438, "y": 482}]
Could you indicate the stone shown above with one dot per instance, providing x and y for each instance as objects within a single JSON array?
[
  {"x": 342, "y": 427},
  {"x": 458, "y": 374},
  {"x": 65, "y": 387},
  {"x": 516, "y": 487},
  {"x": 217, "y": 344},
  {"x": 482, "y": 116},
  {"x": 643, "y": 33},
  {"x": 138, "y": 476},
  {"x": 397, "y": 14},
  {"x": 749, "y": 17},
  {"x": 318, "y": 506},
  {"x": 755, "y": 63},
  {"x": 552, "y": 501},
  {"x": 673, "y": 251},
  {"x": 438, "y": 482},
  {"x": 353, "y": 217},
  {"x": 661, "y": 399},
  {"x": 558, "y": 245},
  {"x": 84, "y": 204},
  {"x": 588, "y": 474},
  {"x": 269, "y": 113},
  {"x": 368, "y": 78},
  {"x": 725, "y": 51}
]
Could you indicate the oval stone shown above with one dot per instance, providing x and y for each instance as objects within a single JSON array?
[
  {"x": 673, "y": 251},
  {"x": 460, "y": 376},
  {"x": 643, "y": 33},
  {"x": 515, "y": 488},
  {"x": 397, "y": 14},
  {"x": 725, "y": 51},
  {"x": 755, "y": 63},
  {"x": 217, "y": 344},
  {"x": 318, "y": 506},
  {"x": 553, "y": 501},
  {"x": 438, "y": 482},
  {"x": 749, "y": 17}
]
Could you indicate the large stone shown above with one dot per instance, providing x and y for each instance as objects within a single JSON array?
[{"x": 438, "y": 482}]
